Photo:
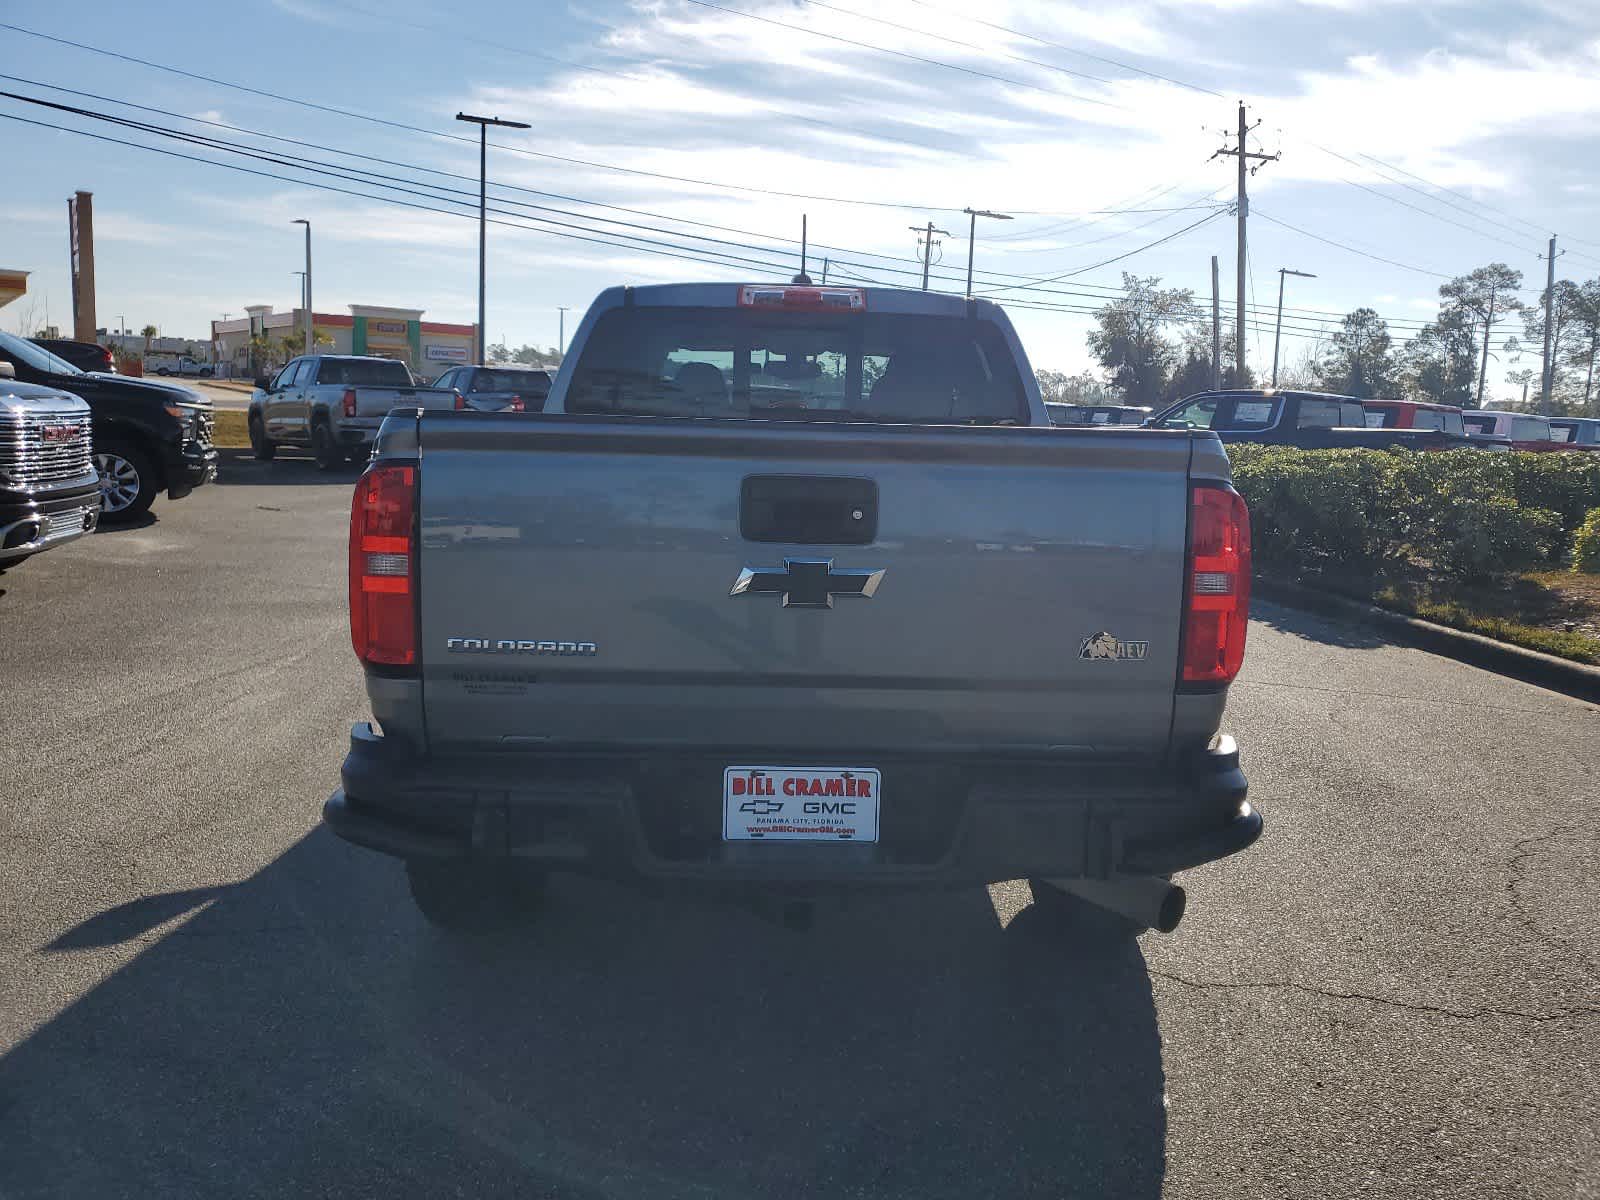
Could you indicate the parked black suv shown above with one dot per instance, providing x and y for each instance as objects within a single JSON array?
[{"x": 148, "y": 437}]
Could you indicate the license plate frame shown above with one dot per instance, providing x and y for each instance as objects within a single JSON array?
[{"x": 801, "y": 804}]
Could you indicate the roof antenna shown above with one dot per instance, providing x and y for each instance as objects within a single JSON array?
[{"x": 802, "y": 278}]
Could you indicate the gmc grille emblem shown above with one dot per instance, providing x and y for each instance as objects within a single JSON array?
[{"x": 807, "y": 582}]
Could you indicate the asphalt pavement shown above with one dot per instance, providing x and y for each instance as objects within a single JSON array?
[{"x": 1395, "y": 993}]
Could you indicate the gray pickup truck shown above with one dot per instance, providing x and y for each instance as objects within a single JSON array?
[
  {"x": 794, "y": 587},
  {"x": 333, "y": 404}
]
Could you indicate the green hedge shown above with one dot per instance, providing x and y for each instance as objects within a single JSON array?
[
  {"x": 1586, "y": 545},
  {"x": 1464, "y": 513}
]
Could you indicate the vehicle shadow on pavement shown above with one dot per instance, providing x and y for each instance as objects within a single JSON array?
[
  {"x": 1314, "y": 628},
  {"x": 240, "y": 467},
  {"x": 307, "y": 1034},
  {"x": 127, "y": 525}
]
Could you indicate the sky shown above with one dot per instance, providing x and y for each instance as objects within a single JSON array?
[{"x": 1417, "y": 141}]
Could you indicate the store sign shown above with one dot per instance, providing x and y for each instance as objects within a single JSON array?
[
  {"x": 445, "y": 353},
  {"x": 387, "y": 326}
]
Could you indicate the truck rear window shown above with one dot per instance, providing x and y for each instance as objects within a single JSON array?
[
  {"x": 524, "y": 383},
  {"x": 724, "y": 362},
  {"x": 364, "y": 372}
]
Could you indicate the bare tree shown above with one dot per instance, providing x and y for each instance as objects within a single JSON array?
[{"x": 1483, "y": 297}]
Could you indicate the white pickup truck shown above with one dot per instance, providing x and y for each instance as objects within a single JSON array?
[{"x": 332, "y": 404}]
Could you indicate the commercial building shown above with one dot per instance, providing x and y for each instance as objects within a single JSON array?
[
  {"x": 13, "y": 284},
  {"x": 252, "y": 344}
]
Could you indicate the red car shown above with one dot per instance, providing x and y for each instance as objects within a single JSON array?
[{"x": 1418, "y": 414}]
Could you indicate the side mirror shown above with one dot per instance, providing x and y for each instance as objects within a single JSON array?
[
  {"x": 7, "y": 371},
  {"x": 264, "y": 383}
]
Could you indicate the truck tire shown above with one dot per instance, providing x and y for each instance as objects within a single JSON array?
[
  {"x": 127, "y": 481},
  {"x": 323, "y": 448},
  {"x": 471, "y": 896},
  {"x": 163, "y": 371},
  {"x": 260, "y": 444}
]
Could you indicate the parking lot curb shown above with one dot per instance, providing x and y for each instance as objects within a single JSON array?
[{"x": 1531, "y": 666}]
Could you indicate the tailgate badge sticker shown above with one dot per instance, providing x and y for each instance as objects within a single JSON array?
[
  {"x": 807, "y": 582},
  {"x": 1104, "y": 645}
]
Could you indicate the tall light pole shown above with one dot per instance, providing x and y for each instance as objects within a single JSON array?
[
  {"x": 1278, "y": 332},
  {"x": 483, "y": 124},
  {"x": 561, "y": 344},
  {"x": 309, "y": 348},
  {"x": 972, "y": 233},
  {"x": 303, "y": 303}
]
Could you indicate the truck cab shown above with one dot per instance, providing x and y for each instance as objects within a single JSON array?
[
  {"x": 1524, "y": 431},
  {"x": 1308, "y": 420}
]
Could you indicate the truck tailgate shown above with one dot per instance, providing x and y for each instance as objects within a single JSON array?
[
  {"x": 377, "y": 401},
  {"x": 588, "y": 580}
]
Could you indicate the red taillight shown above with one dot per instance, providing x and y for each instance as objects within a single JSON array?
[
  {"x": 383, "y": 567},
  {"x": 517, "y": 405},
  {"x": 461, "y": 401},
  {"x": 349, "y": 402},
  {"x": 811, "y": 299},
  {"x": 1216, "y": 586}
]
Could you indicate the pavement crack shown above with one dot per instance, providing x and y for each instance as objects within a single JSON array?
[
  {"x": 1472, "y": 1014},
  {"x": 1523, "y": 851}
]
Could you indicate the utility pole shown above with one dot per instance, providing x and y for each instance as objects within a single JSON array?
[
  {"x": 1277, "y": 333},
  {"x": 824, "y": 270},
  {"x": 925, "y": 243},
  {"x": 972, "y": 234},
  {"x": 1216, "y": 330},
  {"x": 1549, "y": 326},
  {"x": 309, "y": 348},
  {"x": 802, "y": 246},
  {"x": 1244, "y": 154},
  {"x": 561, "y": 342},
  {"x": 483, "y": 124}
]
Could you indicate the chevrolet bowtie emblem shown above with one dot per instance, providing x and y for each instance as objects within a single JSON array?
[{"x": 806, "y": 582}]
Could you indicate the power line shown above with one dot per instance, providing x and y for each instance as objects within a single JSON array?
[
  {"x": 1352, "y": 249},
  {"x": 1415, "y": 208},
  {"x": 1032, "y": 62},
  {"x": 521, "y": 150},
  {"x": 1107, "y": 262},
  {"x": 917, "y": 58},
  {"x": 1193, "y": 87}
]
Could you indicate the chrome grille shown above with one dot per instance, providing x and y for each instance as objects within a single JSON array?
[
  {"x": 203, "y": 423},
  {"x": 28, "y": 460}
]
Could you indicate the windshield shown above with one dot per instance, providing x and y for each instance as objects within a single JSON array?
[
  {"x": 364, "y": 372},
  {"x": 35, "y": 356},
  {"x": 724, "y": 362}
]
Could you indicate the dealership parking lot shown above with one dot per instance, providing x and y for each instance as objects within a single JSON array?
[{"x": 1397, "y": 992}]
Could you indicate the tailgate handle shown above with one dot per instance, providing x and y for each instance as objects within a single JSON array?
[{"x": 808, "y": 510}]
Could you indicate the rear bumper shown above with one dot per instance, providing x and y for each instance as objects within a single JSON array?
[
  {"x": 963, "y": 821},
  {"x": 356, "y": 431}
]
